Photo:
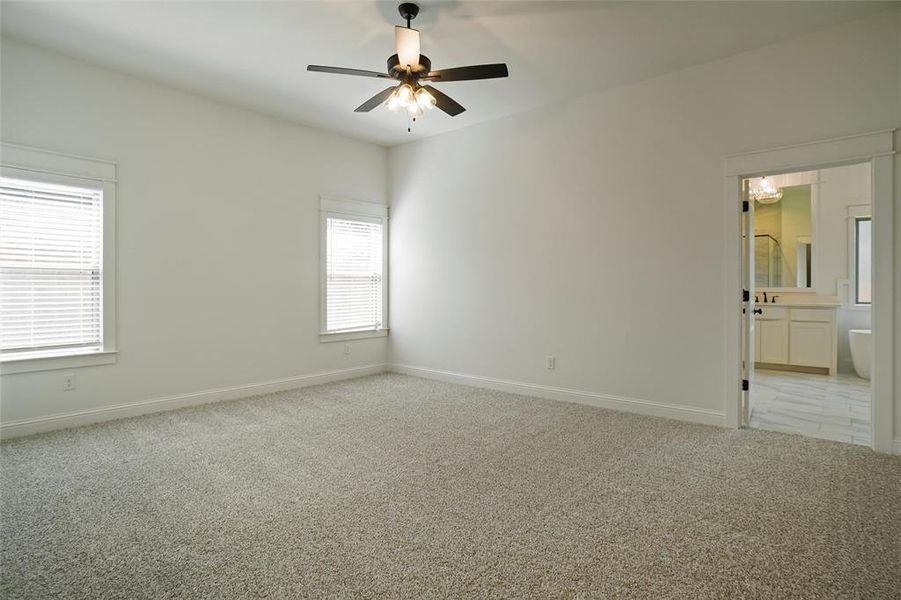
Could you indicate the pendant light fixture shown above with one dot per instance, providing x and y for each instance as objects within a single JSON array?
[{"x": 763, "y": 191}]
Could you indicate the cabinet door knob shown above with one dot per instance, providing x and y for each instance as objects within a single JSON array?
[{"x": 758, "y": 311}]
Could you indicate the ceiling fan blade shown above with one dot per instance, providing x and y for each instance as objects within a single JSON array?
[
  {"x": 469, "y": 73},
  {"x": 445, "y": 102},
  {"x": 407, "y": 42},
  {"x": 376, "y": 100},
  {"x": 343, "y": 71}
]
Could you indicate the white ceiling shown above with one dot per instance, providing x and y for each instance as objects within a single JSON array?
[{"x": 254, "y": 54}]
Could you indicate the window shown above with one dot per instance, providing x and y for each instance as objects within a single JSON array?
[
  {"x": 57, "y": 265},
  {"x": 863, "y": 260},
  {"x": 51, "y": 267},
  {"x": 353, "y": 269}
]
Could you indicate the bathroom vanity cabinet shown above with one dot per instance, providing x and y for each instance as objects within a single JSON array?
[{"x": 799, "y": 338}]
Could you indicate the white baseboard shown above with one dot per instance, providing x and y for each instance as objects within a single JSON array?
[
  {"x": 633, "y": 405},
  {"x": 896, "y": 447},
  {"x": 107, "y": 413}
]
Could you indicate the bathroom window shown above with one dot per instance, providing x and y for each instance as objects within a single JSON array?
[{"x": 863, "y": 260}]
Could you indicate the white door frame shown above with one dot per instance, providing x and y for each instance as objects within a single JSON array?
[{"x": 878, "y": 149}]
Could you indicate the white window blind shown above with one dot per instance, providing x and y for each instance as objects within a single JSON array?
[
  {"x": 51, "y": 268},
  {"x": 353, "y": 274}
]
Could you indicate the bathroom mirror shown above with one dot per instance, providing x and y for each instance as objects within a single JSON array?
[{"x": 783, "y": 245}]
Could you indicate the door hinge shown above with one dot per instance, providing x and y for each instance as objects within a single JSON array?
[
  {"x": 745, "y": 296},
  {"x": 745, "y": 385},
  {"x": 745, "y": 206}
]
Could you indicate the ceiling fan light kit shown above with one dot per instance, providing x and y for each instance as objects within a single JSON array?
[{"x": 409, "y": 67}]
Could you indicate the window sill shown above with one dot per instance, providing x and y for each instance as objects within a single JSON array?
[
  {"x": 30, "y": 364},
  {"x": 861, "y": 307},
  {"x": 351, "y": 335}
]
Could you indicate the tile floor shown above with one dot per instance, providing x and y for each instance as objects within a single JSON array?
[{"x": 835, "y": 407}]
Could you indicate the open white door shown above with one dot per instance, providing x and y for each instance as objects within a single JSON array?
[{"x": 748, "y": 308}]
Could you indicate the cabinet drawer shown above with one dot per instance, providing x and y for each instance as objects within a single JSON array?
[
  {"x": 817, "y": 315},
  {"x": 771, "y": 312}
]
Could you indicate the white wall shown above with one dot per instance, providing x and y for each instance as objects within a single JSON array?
[
  {"x": 218, "y": 232},
  {"x": 897, "y": 247},
  {"x": 594, "y": 230}
]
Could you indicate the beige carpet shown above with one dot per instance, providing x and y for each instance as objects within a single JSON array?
[{"x": 393, "y": 486}]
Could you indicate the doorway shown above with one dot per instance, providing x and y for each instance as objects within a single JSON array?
[
  {"x": 799, "y": 341},
  {"x": 807, "y": 262}
]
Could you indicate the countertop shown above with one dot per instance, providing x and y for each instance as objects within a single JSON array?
[{"x": 800, "y": 304}]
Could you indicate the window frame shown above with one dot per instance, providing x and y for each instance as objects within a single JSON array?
[
  {"x": 46, "y": 166},
  {"x": 857, "y": 222},
  {"x": 856, "y": 213},
  {"x": 344, "y": 208}
]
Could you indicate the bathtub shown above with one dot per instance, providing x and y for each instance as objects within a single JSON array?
[{"x": 861, "y": 351}]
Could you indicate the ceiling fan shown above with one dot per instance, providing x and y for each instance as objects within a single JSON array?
[{"x": 410, "y": 68}]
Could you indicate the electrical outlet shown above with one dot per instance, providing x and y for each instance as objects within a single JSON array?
[
  {"x": 551, "y": 362},
  {"x": 346, "y": 348},
  {"x": 68, "y": 382}
]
